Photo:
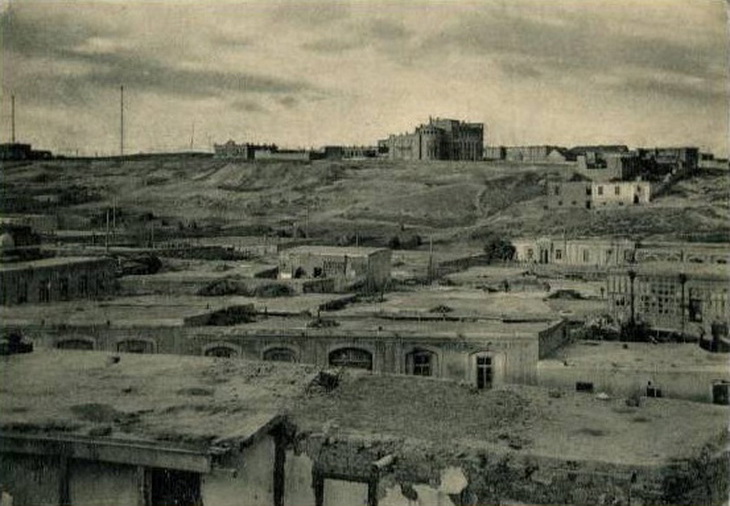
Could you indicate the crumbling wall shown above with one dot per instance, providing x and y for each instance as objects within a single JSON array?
[
  {"x": 246, "y": 477},
  {"x": 441, "y": 475}
]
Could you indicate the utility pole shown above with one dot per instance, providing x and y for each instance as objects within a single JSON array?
[
  {"x": 12, "y": 117},
  {"x": 121, "y": 121},
  {"x": 106, "y": 238}
]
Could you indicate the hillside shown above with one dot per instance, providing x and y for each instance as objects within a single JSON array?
[{"x": 337, "y": 200}]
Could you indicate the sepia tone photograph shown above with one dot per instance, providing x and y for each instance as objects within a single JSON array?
[{"x": 364, "y": 252}]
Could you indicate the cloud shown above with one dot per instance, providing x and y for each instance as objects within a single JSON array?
[
  {"x": 699, "y": 91},
  {"x": 310, "y": 13},
  {"x": 75, "y": 46}
]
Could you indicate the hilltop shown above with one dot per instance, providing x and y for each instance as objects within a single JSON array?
[{"x": 336, "y": 200}]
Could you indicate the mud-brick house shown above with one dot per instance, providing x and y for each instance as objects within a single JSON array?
[
  {"x": 90, "y": 428},
  {"x": 56, "y": 279},
  {"x": 346, "y": 266}
]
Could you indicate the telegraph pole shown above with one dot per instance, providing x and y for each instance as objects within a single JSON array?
[
  {"x": 121, "y": 121},
  {"x": 12, "y": 117}
]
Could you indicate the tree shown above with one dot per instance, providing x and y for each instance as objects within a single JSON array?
[{"x": 498, "y": 248}]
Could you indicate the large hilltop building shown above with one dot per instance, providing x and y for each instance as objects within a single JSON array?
[{"x": 439, "y": 139}]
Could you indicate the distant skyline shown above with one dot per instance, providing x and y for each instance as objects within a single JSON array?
[{"x": 303, "y": 74}]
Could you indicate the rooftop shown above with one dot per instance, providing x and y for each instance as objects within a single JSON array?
[
  {"x": 334, "y": 250},
  {"x": 196, "y": 400},
  {"x": 616, "y": 356},
  {"x": 460, "y": 302},
  {"x": 192, "y": 400},
  {"x": 48, "y": 262},
  {"x": 692, "y": 270},
  {"x": 150, "y": 310},
  {"x": 573, "y": 427}
]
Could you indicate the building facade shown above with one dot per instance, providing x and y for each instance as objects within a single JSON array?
[
  {"x": 536, "y": 154},
  {"x": 347, "y": 266},
  {"x": 54, "y": 279},
  {"x": 604, "y": 167},
  {"x": 615, "y": 252},
  {"x": 244, "y": 151},
  {"x": 574, "y": 252},
  {"x": 685, "y": 298},
  {"x": 597, "y": 195},
  {"x": 486, "y": 354},
  {"x": 439, "y": 139}
]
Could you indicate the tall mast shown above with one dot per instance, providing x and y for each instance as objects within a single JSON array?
[
  {"x": 12, "y": 117},
  {"x": 121, "y": 122}
]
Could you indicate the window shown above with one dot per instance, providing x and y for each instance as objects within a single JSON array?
[
  {"x": 558, "y": 254},
  {"x": 317, "y": 272},
  {"x": 695, "y": 310},
  {"x": 280, "y": 355},
  {"x": 169, "y": 486},
  {"x": 530, "y": 253},
  {"x": 617, "y": 190},
  {"x": 588, "y": 191},
  {"x": 600, "y": 190},
  {"x": 586, "y": 256},
  {"x": 560, "y": 202},
  {"x": 351, "y": 357},
  {"x": 221, "y": 351},
  {"x": 484, "y": 372},
  {"x": 44, "y": 291},
  {"x": 583, "y": 386},
  {"x": 421, "y": 363},
  {"x": 557, "y": 190},
  {"x": 63, "y": 289}
]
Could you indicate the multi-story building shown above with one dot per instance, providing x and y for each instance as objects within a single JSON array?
[
  {"x": 609, "y": 166},
  {"x": 660, "y": 161},
  {"x": 597, "y": 195},
  {"x": 440, "y": 139},
  {"x": 615, "y": 252},
  {"x": 536, "y": 154},
  {"x": 675, "y": 297},
  {"x": 245, "y": 151}
]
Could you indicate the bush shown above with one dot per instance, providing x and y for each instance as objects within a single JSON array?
[{"x": 498, "y": 248}]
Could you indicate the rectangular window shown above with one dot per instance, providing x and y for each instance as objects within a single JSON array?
[
  {"x": 600, "y": 190},
  {"x": 588, "y": 191},
  {"x": 484, "y": 372},
  {"x": 557, "y": 190},
  {"x": 617, "y": 190},
  {"x": 558, "y": 254},
  {"x": 586, "y": 255},
  {"x": 583, "y": 386}
]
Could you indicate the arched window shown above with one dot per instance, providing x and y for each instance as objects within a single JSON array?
[
  {"x": 351, "y": 357},
  {"x": 135, "y": 346},
  {"x": 421, "y": 363},
  {"x": 221, "y": 351},
  {"x": 280, "y": 355},
  {"x": 75, "y": 344}
]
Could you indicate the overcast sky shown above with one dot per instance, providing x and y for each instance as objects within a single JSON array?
[{"x": 639, "y": 72}]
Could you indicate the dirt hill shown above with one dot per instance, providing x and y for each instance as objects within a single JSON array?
[{"x": 336, "y": 201}]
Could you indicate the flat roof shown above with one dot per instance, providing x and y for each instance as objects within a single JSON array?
[
  {"x": 618, "y": 356},
  {"x": 194, "y": 400},
  {"x": 334, "y": 250},
  {"x": 462, "y": 302},
  {"x": 573, "y": 426},
  {"x": 198, "y": 400},
  {"x": 150, "y": 310},
  {"x": 49, "y": 262},
  {"x": 704, "y": 270}
]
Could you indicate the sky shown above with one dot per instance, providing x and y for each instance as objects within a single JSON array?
[{"x": 306, "y": 74}]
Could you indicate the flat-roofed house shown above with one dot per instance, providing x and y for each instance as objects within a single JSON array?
[{"x": 347, "y": 266}]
